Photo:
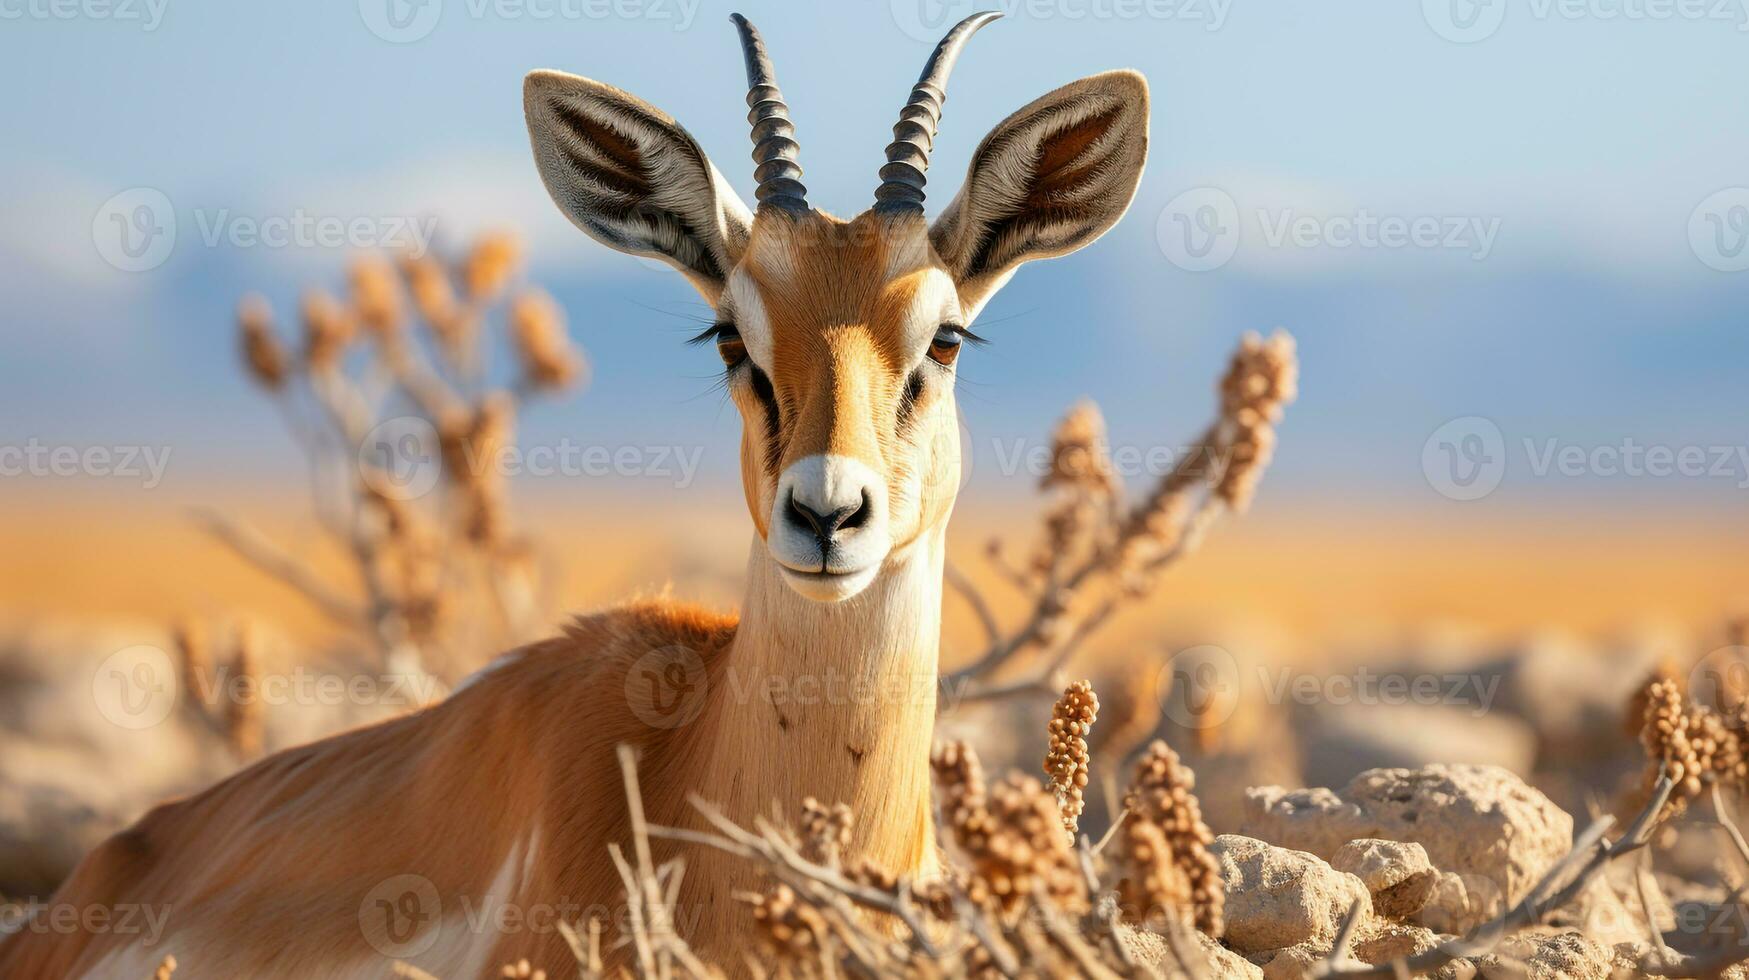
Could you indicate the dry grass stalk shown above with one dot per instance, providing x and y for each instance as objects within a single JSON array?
[
  {"x": 443, "y": 573},
  {"x": 227, "y": 703},
  {"x": 1067, "y": 760},
  {"x": 1097, "y": 554}
]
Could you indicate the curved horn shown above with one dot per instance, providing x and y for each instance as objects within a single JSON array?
[
  {"x": 914, "y": 134},
  {"x": 774, "y": 143}
]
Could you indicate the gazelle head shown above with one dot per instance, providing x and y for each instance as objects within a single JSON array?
[{"x": 840, "y": 338}]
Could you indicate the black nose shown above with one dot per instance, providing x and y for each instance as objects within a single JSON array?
[{"x": 825, "y": 526}]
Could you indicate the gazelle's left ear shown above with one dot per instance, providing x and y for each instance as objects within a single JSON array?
[{"x": 1048, "y": 180}]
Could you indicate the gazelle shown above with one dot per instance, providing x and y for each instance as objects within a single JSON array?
[{"x": 414, "y": 838}]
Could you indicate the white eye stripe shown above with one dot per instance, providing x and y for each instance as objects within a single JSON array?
[
  {"x": 936, "y": 303},
  {"x": 750, "y": 319}
]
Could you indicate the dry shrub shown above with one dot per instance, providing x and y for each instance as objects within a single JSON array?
[
  {"x": 441, "y": 575},
  {"x": 1097, "y": 553}
]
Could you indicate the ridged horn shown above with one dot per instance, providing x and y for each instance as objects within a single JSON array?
[
  {"x": 774, "y": 137},
  {"x": 902, "y": 178}
]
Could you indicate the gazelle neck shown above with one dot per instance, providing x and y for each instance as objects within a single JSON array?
[{"x": 835, "y": 701}]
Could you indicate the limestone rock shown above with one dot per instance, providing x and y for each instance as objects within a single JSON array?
[
  {"x": 1277, "y": 898},
  {"x": 1481, "y": 823},
  {"x": 1398, "y": 874},
  {"x": 1394, "y": 941}
]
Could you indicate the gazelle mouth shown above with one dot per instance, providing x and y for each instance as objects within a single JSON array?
[{"x": 829, "y": 586}]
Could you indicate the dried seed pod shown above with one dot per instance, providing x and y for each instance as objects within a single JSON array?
[
  {"x": 1668, "y": 735},
  {"x": 1010, "y": 835},
  {"x": 376, "y": 295},
  {"x": 522, "y": 970},
  {"x": 1262, "y": 378},
  {"x": 825, "y": 832},
  {"x": 537, "y": 327},
  {"x": 1066, "y": 761},
  {"x": 1165, "y": 854},
  {"x": 789, "y": 929},
  {"x": 1080, "y": 453},
  {"x": 490, "y": 265},
  {"x": 328, "y": 328},
  {"x": 263, "y": 354},
  {"x": 433, "y": 294}
]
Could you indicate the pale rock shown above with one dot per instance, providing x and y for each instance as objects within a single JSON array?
[
  {"x": 1480, "y": 823},
  {"x": 1278, "y": 898}
]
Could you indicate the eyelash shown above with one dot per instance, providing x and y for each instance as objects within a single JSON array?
[
  {"x": 734, "y": 352},
  {"x": 728, "y": 342}
]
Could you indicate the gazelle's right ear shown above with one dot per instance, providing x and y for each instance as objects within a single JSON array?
[{"x": 629, "y": 175}]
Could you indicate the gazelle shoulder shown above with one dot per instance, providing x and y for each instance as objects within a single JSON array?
[{"x": 606, "y": 643}]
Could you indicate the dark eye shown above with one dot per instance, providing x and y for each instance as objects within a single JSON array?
[
  {"x": 729, "y": 345},
  {"x": 945, "y": 348}
]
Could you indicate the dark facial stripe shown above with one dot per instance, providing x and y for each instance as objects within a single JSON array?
[
  {"x": 909, "y": 398},
  {"x": 763, "y": 391}
]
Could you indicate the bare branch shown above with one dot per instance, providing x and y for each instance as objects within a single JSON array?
[{"x": 256, "y": 549}]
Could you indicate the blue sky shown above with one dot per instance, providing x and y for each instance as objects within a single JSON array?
[{"x": 1571, "y": 162}]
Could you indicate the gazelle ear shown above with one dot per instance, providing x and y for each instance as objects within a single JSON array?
[
  {"x": 629, "y": 175},
  {"x": 1048, "y": 180}
]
